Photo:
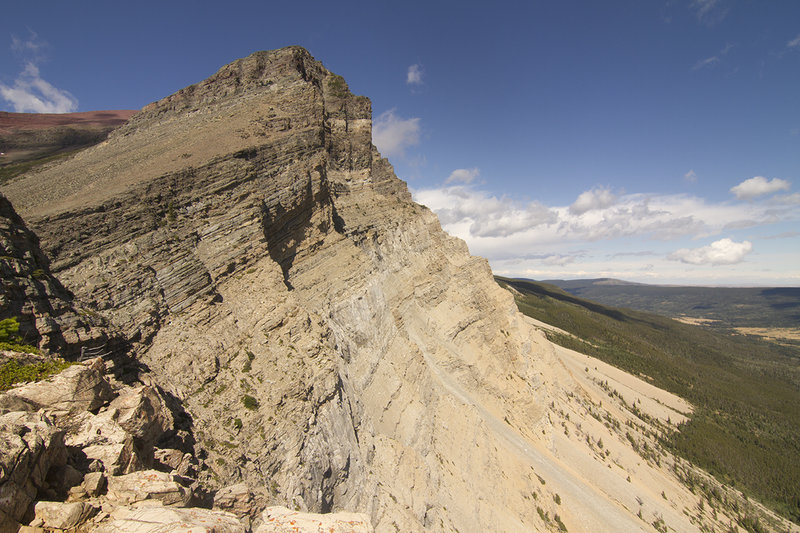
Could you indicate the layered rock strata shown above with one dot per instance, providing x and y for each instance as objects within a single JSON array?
[
  {"x": 333, "y": 347},
  {"x": 48, "y": 316}
]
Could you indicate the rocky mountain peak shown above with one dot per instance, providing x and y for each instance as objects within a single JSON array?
[{"x": 329, "y": 346}]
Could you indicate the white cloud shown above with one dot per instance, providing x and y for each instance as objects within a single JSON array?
[
  {"x": 706, "y": 63},
  {"x": 392, "y": 134},
  {"x": 759, "y": 186},
  {"x": 721, "y": 252},
  {"x": 708, "y": 12},
  {"x": 592, "y": 200},
  {"x": 690, "y": 176},
  {"x": 31, "y": 93},
  {"x": 794, "y": 43},
  {"x": 414, "y": 75},
  {"x": 479, "y": 214},
  {"x": 462, "y": 175},
  {"x": 504, "y": 227},
  {"x": 31, "y": 47},
  {"x": 559, "y": 259}
]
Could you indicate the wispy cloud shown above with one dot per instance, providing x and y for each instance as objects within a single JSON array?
[
  {"x": 32, "y": 47},
  {"x": 794, "y": 43},
  {"x": 721, "y": 252},
  {"x": 393, "y": 134},
  {"x": 414, "y": 75},
  {"x": 713, "y": 60},
  {"x": 759, "y": 186},
  {"x": 709, "y": 61},
  {"x": 709, "y": 11},
  {"x": 690, "y": 176},
  {"x": 30, "y": 92}
]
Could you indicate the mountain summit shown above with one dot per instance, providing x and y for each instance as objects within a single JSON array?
[{"x": 332, "y": 347}]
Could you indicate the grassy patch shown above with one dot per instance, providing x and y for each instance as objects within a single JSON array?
[
  {"x": 9, "y": 172},
  {"x": 12, "y": 373}
]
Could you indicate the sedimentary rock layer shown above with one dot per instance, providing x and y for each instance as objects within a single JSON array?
[{"x": 333, "y": 347}]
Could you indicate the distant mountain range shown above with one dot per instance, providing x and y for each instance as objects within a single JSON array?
[{"x": 726, "y": 307}]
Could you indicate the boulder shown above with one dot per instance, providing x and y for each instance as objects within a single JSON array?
[
  {"x": 281, "y": 519},
  {"x": 59, "y": 515},
  {"x": 236, "y": 499},
  {"x": 142, "y": 412},
  {"x": 116, "y": 457},
  {"x": 76, "y": 389},
  {"x": 94, "y": 483},
  {"x": 158, "y": 519},
  {"x": 148, "y": 485},
  {"x": 30, "y": 445}
]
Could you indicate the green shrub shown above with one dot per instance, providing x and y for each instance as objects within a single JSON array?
[
  {"x": 250, "y": 402},
  {"x": 10, "y": 339},
  {"x": 9, "y": 330},
  {"x": 12, "y": 372}
]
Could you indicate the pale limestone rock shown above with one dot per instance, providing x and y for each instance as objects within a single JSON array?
[
  {"x": 116, "y": 457},
  {"x": 148, "y": 485},
  {"x": 236, "y": 499},
  {"x": 29, "y": 446},
  {"x": 283, "y": 520},
  {"x": 76, "y": 389},
  {"x": 142, "y": 412},
  {"x": 180, "y": 462},
  {"x": 157, "y": 519},
  {"x": 58, "y": 515},
  {"x": 94, "y": 483},
  {"x": 320, "y": 329}
]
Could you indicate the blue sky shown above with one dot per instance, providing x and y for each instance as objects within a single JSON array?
[{"x": 653, "y": 141}]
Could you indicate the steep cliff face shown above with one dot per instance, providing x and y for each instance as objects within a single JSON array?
[
  {"x": 47, "y": 315},
  {"x": 334, "y": 348}
]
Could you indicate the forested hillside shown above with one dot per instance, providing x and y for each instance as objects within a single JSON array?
[{"x": 746, "y": 424}]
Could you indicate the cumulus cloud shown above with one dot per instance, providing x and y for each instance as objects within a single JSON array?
[
  {"x": 759, "y": 186},
  {"x": 482, "y": 214},
  {"x": 463, "y": 175},
  {"x": 31, "y": 93},
  {"x": 690, "y": 176},
  {"x": 794, "y": 43},
  {"x": 721, "y": 252},
  {"x": 592, "y": 200},
  {"x": 414, "y": 75},
  {"x": 393, "y": 134}
]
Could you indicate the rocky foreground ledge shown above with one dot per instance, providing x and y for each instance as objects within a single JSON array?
[{"x": 96, "y": 455}]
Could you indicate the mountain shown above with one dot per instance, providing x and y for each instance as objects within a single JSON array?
[
  {"x": 720, "y": 307},
  {"x": 309, "y": 337},
  {"x": 745, "y": 427}
]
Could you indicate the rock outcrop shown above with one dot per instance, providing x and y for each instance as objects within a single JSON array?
[
  {"x": 332, "y": 347},
  {"x": 47, "y": 314}
]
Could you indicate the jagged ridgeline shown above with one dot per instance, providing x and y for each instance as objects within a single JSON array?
[{"x": 329, "y": 346}]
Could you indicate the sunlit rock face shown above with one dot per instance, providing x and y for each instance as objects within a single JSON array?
[{"x": 332, "y": 347}]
